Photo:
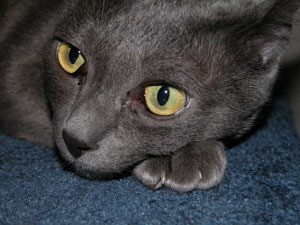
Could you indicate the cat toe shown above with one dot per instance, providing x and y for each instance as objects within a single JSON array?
[
  {"x": 183, "y": 184},
  {"x": 153, "y": 172}
]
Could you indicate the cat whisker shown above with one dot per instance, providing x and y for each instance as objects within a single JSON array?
[{"x": 68, "y": 165}]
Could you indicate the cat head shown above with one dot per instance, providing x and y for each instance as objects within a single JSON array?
[{"x": 127, "y": 80}]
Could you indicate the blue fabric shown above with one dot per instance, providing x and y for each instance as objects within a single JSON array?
[{"x": 262, "y": 186}]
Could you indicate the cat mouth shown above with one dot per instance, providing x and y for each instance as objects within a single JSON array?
[
  {"x": 107, "y": 156},
  {"x": 80, "y": 152},
  {"x": 99, "y": 170}
]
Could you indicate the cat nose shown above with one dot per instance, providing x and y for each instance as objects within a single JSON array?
[{"x": 76, "y": 145}]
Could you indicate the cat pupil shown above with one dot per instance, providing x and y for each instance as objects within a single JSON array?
[
  {"x": 73, "y": 55},
  {"x": 163, "y": 95}
]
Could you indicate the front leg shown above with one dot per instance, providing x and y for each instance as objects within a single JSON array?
[{"x": 200, "y": 165}]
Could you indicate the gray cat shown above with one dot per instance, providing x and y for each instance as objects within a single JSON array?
[{"x": 152, "y": 86}]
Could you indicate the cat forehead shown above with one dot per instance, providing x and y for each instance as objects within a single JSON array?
[
  {"x": 202, "y": 8},
  {"x": 151, "y": 25},
  {"x": 177, "y": 12}
]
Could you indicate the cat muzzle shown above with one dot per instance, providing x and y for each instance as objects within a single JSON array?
[{"x": 77, "y": 146}]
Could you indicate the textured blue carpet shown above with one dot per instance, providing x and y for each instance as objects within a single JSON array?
[{"x": 262, "y": 186}]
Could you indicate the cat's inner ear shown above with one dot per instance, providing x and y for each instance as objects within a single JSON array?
[
  {"x": 271, "y": 52},
  {"x": 273, "y": 31}
]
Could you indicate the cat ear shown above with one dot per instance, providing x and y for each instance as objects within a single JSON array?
[{"x": 273, "y": 32}]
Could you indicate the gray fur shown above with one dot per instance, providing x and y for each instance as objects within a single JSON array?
[{"x": 223, "y": 54}]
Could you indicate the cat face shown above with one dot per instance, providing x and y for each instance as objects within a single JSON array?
[{"x": 138, "y": 79}]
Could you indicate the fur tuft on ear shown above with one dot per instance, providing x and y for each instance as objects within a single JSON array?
[{"x": 282, "y": 12}]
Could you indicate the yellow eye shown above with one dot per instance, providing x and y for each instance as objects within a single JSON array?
[
  {"x": 69, "y": 57},
  {"x": 164, "y": 100}
]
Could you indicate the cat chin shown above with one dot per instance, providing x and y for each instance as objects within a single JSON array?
[
  {"x": 83, "y": 170},
  {"x": 83, "y": 167}
]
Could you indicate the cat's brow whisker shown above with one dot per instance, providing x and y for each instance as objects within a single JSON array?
[
  {"x": 103, "y": 5},
  {"x": 125, "y": 105}
]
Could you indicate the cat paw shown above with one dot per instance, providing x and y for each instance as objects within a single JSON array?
[
  {"x": 190, "y": 168},
  {"x": 200, "y": 167}
]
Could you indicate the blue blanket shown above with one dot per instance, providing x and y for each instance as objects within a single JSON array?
[{"x": 261, "y": 186}]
